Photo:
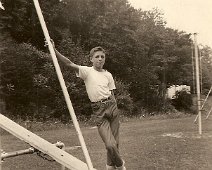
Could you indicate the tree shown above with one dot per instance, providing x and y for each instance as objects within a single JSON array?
[
  {"x": 141, "y": 51},
  {"x": 19, "y": 64},
  {"x": 206, "y": 67}
]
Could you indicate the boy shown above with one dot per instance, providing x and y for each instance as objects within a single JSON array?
[{"x": 99, "y": 86}]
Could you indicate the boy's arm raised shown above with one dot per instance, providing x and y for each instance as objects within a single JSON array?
[{"x": 64, "y": 59}]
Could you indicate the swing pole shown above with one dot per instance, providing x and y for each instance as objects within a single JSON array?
[{"x": 63, "y": 86}]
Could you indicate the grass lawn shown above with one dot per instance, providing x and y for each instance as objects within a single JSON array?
[{"x": 145, "y": 144}]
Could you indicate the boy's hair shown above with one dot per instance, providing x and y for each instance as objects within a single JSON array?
[{"x": 95, "y": 49}]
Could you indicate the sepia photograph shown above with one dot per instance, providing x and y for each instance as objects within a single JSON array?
[{"x": 105, "y": 85}]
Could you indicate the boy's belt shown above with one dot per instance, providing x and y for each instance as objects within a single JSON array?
[{"x": 104, "y": 100}]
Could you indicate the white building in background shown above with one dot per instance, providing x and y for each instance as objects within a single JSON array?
[{"x": 171, "y": 91}]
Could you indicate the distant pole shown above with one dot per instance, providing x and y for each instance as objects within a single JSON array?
[
  {"x": 197, "y": 83},
  {"x": 193, "y": 67},
  {"x": 200, "y": 67}
]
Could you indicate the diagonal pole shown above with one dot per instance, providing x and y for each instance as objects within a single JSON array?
[
  {"x": 204, "y": 103},
  {"x": 209, "y": 113},
  {"x": 63, "y": 86}
]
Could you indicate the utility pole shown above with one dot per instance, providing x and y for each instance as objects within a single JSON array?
[
  {"x": 193, "y": 68},
  {"x": 200, "y": 67},
  {"x": 197, "y": 83}
]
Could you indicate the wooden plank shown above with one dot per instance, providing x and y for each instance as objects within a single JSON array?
[
  {"x": 62, "y": 84},
  {"x": 44, "y": 146}
]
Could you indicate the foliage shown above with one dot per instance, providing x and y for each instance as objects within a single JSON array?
[
  {"x": 19, "y": 64},
  {"x": 183, "y": 100},
  {"x": 124, "y": 101},
  {"x": 206, "y": 68},
  {"x": 143, "y": 54}
]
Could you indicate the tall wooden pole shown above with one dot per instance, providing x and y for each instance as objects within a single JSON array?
[
  {"x": 193, "y": 68},
  {"x": 200, "y": 68},
  {"x": 63, "y": 86},
  {"x": 197, "y": 83}
]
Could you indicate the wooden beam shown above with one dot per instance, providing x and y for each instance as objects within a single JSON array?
[
  {"x": 44, "y": 146},
  {"x": 62, "y": 84}
]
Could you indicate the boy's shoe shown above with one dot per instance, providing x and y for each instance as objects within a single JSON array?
[
  {"x": 122, "y": 167},
  {"x": 110, "y": 167}
]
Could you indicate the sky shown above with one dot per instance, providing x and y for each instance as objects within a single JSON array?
[{"x": 191, "y": 16}]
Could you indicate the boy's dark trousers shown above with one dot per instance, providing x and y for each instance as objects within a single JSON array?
[{"x": 106, "y": 116}]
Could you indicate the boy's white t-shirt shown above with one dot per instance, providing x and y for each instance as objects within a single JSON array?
[{"x": 98, "y": 84}]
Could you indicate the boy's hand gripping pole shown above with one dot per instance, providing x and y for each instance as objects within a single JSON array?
[{"x": 63, "y": 86}]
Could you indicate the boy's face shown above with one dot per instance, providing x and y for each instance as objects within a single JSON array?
[{"x": 98, "y": 59}]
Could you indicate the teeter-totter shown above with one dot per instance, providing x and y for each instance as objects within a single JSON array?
[{"x": 37, "y": 143}]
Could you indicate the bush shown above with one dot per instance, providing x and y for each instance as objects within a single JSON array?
[
  {"x": 20, "y": 63},
  {"x": 183, "y": 100},
  {"x": 124, "y": 101},
  {"x": 30, "y": 87}
]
